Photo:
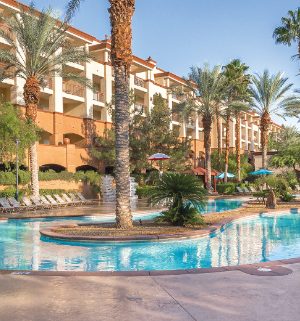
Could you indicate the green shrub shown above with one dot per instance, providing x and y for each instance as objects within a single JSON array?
[
  {"x": 54, "y": 191},
  {"x": 7, "y": 178},
  {"x": 287, "y": 197},
  {"x": 144, "y": 191},
  {"x": 226, "y": 188},
  {"x": 11, "y": 192},
  {"x": 186, "y": 215}
]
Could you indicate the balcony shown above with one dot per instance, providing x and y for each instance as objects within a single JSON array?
[
  {"x": 140, "y": 108},
  {"x": 98, "y": 96},
  {"x": 6, "y": 30},
  {"x": 176, "y": 117},
  {"x": 191, "y": 122},
  {"x": 139, "y": 82},
  {"x": 73, "y": 88},
  {"x": 179, "y": 97}
]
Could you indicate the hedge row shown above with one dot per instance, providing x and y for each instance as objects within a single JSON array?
[
  {"x": 11, "y": 192},
  {"x": 9, "y": 178}
]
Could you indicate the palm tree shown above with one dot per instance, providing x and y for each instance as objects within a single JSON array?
[
  {"x": 39, "y": 51},
  {"x": 237, "y": 94},
  {"x": 121, "y": 12},
  {"x": 289, "y": 31},
  {"x": 269, "y": 97},
  {"x": 184, "y": 195},
  {"x": 210, "y": 90}
]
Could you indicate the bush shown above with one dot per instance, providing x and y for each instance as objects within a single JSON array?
[
  {"x": 287, "y": 197},
  {"x": 144, "y": 191},
  {"x": 226, "y": 188},
  {"x": 54, "y": 191},
  {"x": 7, "y": 178},
  {"x": 185, "y": 215},
  {"x": 11, "y": 192}
]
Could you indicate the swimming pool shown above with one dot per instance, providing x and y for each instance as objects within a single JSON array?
[{"x": 249, "y": 240}]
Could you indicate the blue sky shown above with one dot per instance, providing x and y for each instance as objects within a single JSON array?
[{"x": 182, "y": 33}]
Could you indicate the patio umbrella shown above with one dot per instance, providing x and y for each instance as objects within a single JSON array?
[
  {"x": 262, "y": 171},
  {"x": 158, "y": 156},
  {"x": 222, "y": 175}
]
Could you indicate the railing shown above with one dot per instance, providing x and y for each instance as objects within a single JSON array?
[
  {"x": 5, "y": 28},
  {"x": 73, "y": 88},
  {"x": 140, "y": 108},
  {"x": 179, "y": 97},
  {"x": 9, "y": 72},
  {"x": 176, "y": 117},
  {"x": 191, "y": 122},
  {"x": 99, "y": 96},
  {"x": 139, "y": 82},
  {"x": 48, "y": 82}
]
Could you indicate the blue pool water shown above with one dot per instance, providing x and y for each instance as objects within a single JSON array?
[{"x": 260, "y": 238}]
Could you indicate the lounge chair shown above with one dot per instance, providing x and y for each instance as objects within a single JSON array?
[
  {"x": 38, "y": 203},
  {"x": 27, "y": 202},
  {"x": 247, "y": 191},
  {"x": 5, "y": 206},
  {"x": 69, "y": 200},
  {"x": 240, "y": 190},
  {"x": 47, "y": 202},
  {"x": 86, "y": 201},
  {"x": 15, "y": 204},
  {"x": 252, "y": 189},
  {"x": 52, "y": 200},
  {"x": 75, "y": 198},
  {"x": 60, "y": 200}
]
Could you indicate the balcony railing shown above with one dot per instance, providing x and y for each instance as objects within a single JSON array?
[
  {"x": 140, "y": 108},
  {"x": 73, "y": 88},
  {"x": 99, "y": 96},
  {"x": 139, "y": 82},
  {"x": 5, "y": 28},
  {"x": 179, "y": 97},
  {"x": 176, "y": 117},
  {"x": 191, "y": 122}
]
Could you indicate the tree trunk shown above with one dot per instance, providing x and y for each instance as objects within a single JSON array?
[
  {"x": 264, "y": 127},
  {"x": 227, "y": 143},
  {"x": 219, "y": 134},
  {"x": 31, "y": 97},
  {"x": 207, "y": 122},
  {"x": 238, "y": 145},
  {"x": 121, "y": 12}
]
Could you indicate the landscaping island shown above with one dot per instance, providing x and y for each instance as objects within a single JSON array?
[{"x": 149, "y": 230}]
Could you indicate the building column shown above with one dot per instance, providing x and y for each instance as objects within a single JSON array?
[
  {"x": 89, "y": 95},
  {"x": 56, "y": 105},
  {"x": 108, "y": 94}
]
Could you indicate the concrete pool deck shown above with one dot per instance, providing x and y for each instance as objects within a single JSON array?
[{"x": 222, "y": 296}]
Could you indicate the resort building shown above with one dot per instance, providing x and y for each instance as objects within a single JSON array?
[{"x": 70, "y": 114}]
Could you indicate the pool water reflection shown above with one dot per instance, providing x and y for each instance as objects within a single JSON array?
[{"x": 249, "y": 240}]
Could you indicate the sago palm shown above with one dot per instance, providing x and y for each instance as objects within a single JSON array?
[
  {"x": 209, "y": 91},
  {"x": 269, "y": 96},
  {"x": 180, "y": 192},
  {"x": 289, "y": 31},
  {"x": 39, "y": 49},
  {"x": 121, "y": 12},
  {"x": 237, "y": 95}
]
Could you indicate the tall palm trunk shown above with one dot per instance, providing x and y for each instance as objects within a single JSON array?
[
  {"x": 264, "y": 127},
  {"x": 31, "y": 98},
  {"x": 207, "y": 124},
  {"x": 238, "y": 145},
  {"x": 121, "y": 12},
  {"x": 219, "y": 137},
  {"x": 227, "y": 143}
]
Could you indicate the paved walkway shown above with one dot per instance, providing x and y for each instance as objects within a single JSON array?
[{"x": 224, "y": 296}]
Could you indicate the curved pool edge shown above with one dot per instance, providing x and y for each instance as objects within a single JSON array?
[
  {"x": 147, "y": 238},
  {"x": 253, "y": 269}
]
